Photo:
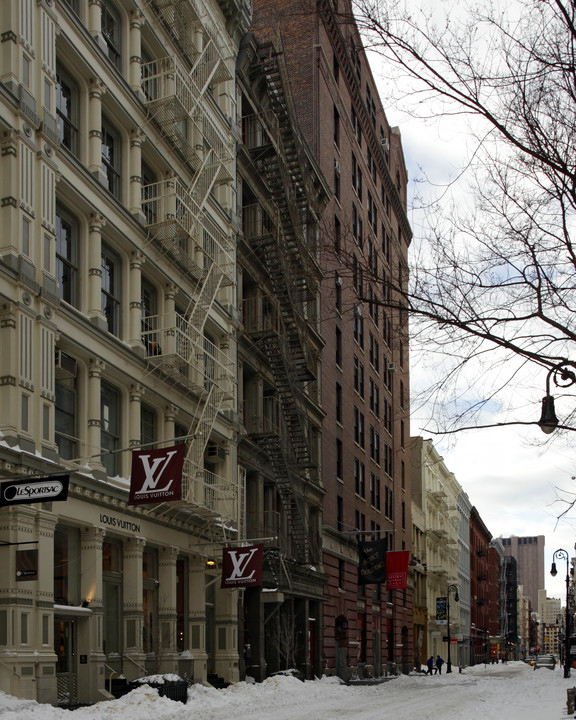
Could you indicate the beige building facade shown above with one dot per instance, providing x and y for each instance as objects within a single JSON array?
[
  {"x": 118, "y": 322},
  {"x": 435, "y": 491}
]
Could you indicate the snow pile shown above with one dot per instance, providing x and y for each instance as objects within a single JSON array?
[{"x": 514, "y": 691}]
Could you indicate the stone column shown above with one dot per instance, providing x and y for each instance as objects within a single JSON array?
[
  {"x": 97, "y": 222},
  {"x": 226, "y": 635},
  {"x": 17, "y": 596},
  {"x": 170, "y": 318},
  {"x": 95, "y": 370},
  {"x": 46, "y": 669},
  {"x": 135, "y": 171},
  {"x": 134, "y": 410},
  {"x": 170, "y": 414},
  {"x": 168, "y": 654},
  {"x": 135, "y": 72},
  {"x": 94, "y": 20},
  {"x": 97, "y": 90},
  {"x": 133, "y": 589},
  {"x": 91, "y": 675},
  {"x": 9, "y": 389},
  {"x": 197, "y": 617},
  {"x": 135, "y": 300},
  {"x": 11, "y": 240}
]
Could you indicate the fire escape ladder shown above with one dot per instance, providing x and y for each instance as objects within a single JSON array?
[
  {"x": 176, "y": 90},
  {"x": 178, "y": 99},
  {"x": 169, "y": 97},
  {"x": 274, "y": 440},
  {"x": 204, "y": 301},
  {"x": 209, "y": 69},
  {"x": 211, "y": 172},
  {"x": 290, "y": 394},
  {"x": 179, "y": 20}
]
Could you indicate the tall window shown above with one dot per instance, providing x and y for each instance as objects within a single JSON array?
[
  {"x": 66, "y": 255},
  {"x": 112, "y": 587},
  {"x": 65, "y": 418},
  {"x": 182, "y": 603},
  {"x": 73, "y": 4},
  {"x": 336, "y": 126},
  {"x": 359, "y": 478},
  {"x": 112, "y": 32},
  {"x": 149, "y": 194},
  {"x": 110, "y": 428},
  {"x": 110, "y": 296},
  {"x": 111, "y": 157},
  {"x": 149, "y": 302},
  {"x": 149, "y": 75},
  {"x": 67, "y": 110},
  {"x": 148, "y": 427},
  {"x": 340, "y": 513},
  {"x": 66, "y": 566},
  {"x": 149, "y": 600}
]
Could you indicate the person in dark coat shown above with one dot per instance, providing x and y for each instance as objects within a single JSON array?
[
  {"x": 439, "y": 663},
  {"x": 430, "y": 664}
]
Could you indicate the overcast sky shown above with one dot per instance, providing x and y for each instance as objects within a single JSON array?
[{"x": 510, "y": 474}]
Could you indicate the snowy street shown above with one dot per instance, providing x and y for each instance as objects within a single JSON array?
[{"x": 495, "y": 692}]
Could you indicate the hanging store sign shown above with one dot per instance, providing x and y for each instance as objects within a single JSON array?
[
  {"x": 371, "y": 561},
  {"x": 156, "y": 475},
  {"x": 397, "y": 569},
  {"x": 242, "y": 566},
  {"x": 26, "y": 565},
  {"x": 48, "y": 489}
]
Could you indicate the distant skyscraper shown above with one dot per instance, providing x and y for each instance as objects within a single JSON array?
[{"x": 529, "y": 554}]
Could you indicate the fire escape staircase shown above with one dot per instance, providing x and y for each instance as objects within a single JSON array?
[
  {"x": 285, "y": 256},
  {"x": 179, "y": 225}
]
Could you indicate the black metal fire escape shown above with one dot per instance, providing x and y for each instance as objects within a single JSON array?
[{"x": 283, "y": 252}]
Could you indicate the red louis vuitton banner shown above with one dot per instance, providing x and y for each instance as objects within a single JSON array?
[
  {"x": 156, "y": 475},
  {"x": 397, "y": 569},
  {"x": 242, "y": 566}
]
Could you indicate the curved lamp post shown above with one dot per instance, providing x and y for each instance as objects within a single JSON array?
[
  {"x": 563, "y": 375},
  {"x": 454, "y": 589},
  {"x": 563, "y": 555}
]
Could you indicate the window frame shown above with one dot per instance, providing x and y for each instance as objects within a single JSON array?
[
  {"x": 62, "y": 439},
  {"x": 110, "y": 435},
  {"x": 113, "y": 38},
  {"x": 110, "y": 292},
  {"x": 112, "y": 159},
  {"x": 68, "y": 117},
  {"x": 69, "y": 260}
]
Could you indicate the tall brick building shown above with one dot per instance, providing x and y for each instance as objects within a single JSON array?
[
  {"x": 480, "y": 538},
  {"x": 364, "y": 245}
]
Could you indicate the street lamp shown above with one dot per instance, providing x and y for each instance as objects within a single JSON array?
[
  {"x": 563, "y": 555},
  {"x": 454, "y": 589},
  {"x": 563, "y": 376}
]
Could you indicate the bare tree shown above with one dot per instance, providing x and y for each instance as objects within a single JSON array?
[
  {"x": 493, "y": 285},
  {"x": 284, "y": 638}
]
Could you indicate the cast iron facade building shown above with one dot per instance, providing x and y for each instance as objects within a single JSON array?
[{"x": 118, "y": 331}]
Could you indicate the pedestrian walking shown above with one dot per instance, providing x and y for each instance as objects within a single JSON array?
[
  {"x": 439, "y": 663},
  {"x": 430, "y": 663}
]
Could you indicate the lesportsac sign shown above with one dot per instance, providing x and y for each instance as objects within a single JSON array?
[{"x": 47, "y": 489}]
